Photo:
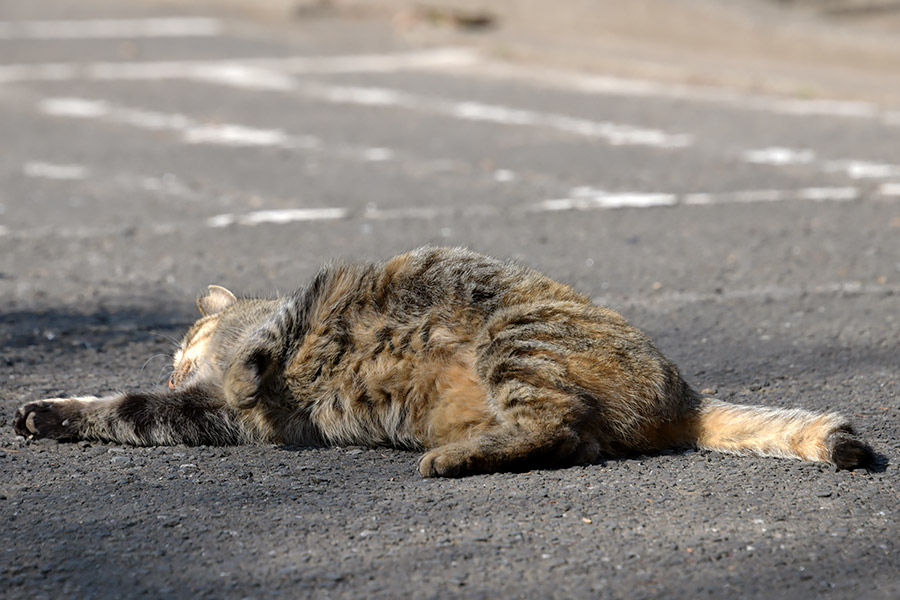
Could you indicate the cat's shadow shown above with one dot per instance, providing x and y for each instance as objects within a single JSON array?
[
  {"x": 69, "y": 330},
  {"x": 880, "y": 464}
]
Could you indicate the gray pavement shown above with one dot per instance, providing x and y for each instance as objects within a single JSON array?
[{"x": 756, "y": 238}]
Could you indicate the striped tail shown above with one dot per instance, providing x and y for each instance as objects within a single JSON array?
[{"x": 786, "y": 433}]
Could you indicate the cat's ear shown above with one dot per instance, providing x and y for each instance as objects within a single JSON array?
[{"x": 215, "y": 301}]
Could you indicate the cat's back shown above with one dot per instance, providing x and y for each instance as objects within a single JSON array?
[
  {"x": 457, "y": 278},
  {"x": 425, "y": 294}
]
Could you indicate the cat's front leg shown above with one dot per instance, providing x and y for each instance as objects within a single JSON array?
[{"x": 193, "y": 415}]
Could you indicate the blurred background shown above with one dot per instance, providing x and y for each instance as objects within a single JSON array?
[{"x": 518, "y": 127}]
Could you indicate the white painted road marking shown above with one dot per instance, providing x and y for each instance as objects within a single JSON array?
[
  {"x": 616, "y": 134},
  {"x": 255, "y": 71},
  {"x": 110, "y": 28},
  {"x": 235, "y": 74},
  {"x": 236, "y": 135},
  {"x": 436, "y": 58},
  {"x": 853, "y": 168},
  {"x": 580, "y": 198},
  {"x": 587, "y": 198},
  {"x": 861, "y": 169},
  {"x": 286, "y": 215},
  {"x": 273, "y": 74},
  {"x": 45, "y": 170},
  {"x": 620, "y": 86},
  {"x": 779, "y": 156},
  {"x": 252, "y": 72},
  {"x": 192, "y": 132},
  {"x": 613, "y": 133},
  {"x": 890, "y": 189},
  {"x": 665, "y": 300}
]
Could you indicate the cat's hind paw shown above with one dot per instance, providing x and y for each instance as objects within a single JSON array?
[
  {"x": 452, "y": 460},
  {"x": 54, "y": 418}
]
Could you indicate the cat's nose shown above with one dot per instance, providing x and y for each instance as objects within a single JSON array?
[{"x": 171, "y": 383}]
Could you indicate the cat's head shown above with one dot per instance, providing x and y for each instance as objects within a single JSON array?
[{"x": 193, "y": 354}]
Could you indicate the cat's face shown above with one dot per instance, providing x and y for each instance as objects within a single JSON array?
[{"x": 193, "y": 355}]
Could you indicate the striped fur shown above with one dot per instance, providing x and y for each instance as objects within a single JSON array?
[{"x": 482, "y": 365}]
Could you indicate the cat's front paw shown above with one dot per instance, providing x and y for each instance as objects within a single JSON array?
[
  {"x": 242, "y": 385},
  {"x": 54, "y": 418},
  {"x": 249, "y": 376}
]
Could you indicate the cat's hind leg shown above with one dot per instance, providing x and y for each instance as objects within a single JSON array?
[
  {"x": 535, "y": 430},
  {"x": 539, "y": 415},
  {"x": 193, "y": 415}
]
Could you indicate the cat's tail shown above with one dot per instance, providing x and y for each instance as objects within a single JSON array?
[{"x": 786, "y": 433}]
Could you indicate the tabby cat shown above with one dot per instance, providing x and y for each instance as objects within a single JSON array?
[{"x": 484, "y": 365}]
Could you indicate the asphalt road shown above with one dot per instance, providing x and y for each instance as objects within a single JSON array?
[{"x": 756, "y": 239}]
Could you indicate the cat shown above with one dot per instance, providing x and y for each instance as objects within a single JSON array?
[{"x": 482, "y": 365}]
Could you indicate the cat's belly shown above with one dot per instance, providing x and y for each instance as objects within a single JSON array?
[
  {"x": 413, "y": 401},
  {"x": 405, "y": 390}
]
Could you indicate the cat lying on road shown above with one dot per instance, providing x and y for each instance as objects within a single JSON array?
[{"x": 483, "y": 365}]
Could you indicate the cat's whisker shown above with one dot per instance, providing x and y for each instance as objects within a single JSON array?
[
  {"x": 146, "y": 362},
  {"x": 165, "y": 373},
  {"x": 164, "y": 336}
]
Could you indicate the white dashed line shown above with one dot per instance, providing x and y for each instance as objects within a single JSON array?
[
  {"x": 437, "y": 58},
  {"x": 192, "y": 132},
  {"x": 287, "y": 215},
  {"x": 853, "y": 168},
  {"x": 833, "y": 194},
  {"x": 504, "y": 176},
  {"x": 860, "y": 169},
  {"x": 245, "y": 76},
  {"x": 586, "y": 198},
  {"x": 619, "y": 86},
  {"x": 890, "y": 189},
  {"x": 74, "y": 107},
  {"x": 45, "y": 170},
  {"x": 613, "y": 133},
  {"x": 245, "y": 72},
  {"x": 582, "y": 198},
  {"x": 236, "y": 135},
  {"x": 378, "y": 154},
  {"x": 779, "y": 156},
  {"x": 269, "y": 72},
  {"x": 664, "y": 300},
  {"x": 110, "y": 28}
]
